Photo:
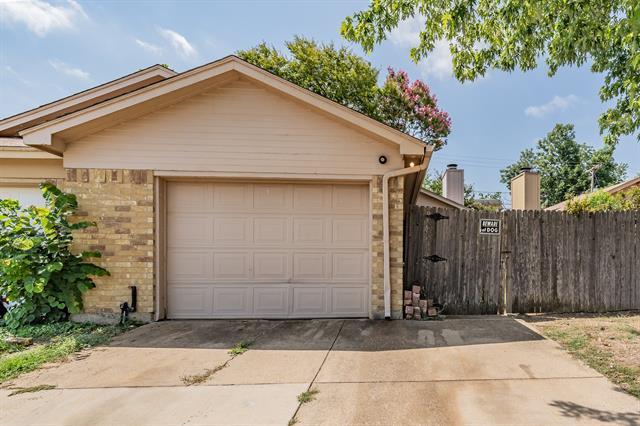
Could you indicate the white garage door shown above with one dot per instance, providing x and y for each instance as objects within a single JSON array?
[
  {"x": 26, "y": 195},
  {"x": 258, "y": 250}
]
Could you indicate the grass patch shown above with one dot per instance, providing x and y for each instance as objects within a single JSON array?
[
  {"x": 52, "y": 342},
  {"x": 307, "y": 396},
  {"x": 607, "y": 344},
  {"x": 240, "y": 348},
  {"x": 32, "y": 389}
]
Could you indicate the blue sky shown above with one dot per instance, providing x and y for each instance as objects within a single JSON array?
[{"x": 50, "y": 49}]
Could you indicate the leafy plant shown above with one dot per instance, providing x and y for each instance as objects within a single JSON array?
[
  {"x": 601, "y": 201},
  {"x": 564, "y": 164},
  {"x": 520, "y": 34},
  {"x": 38, "y": 272}
]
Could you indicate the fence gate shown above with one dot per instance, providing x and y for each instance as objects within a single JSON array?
[{"x": 524, "y": 261}]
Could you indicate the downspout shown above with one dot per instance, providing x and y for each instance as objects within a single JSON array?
[{"x": 385, "y": 225}]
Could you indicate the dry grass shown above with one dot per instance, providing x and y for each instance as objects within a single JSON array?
[
  {"x": 32, "y": 389},
  {"x": 608, "y": 343}
]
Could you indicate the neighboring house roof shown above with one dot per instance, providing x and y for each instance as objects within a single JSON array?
[
  {"x": 441, "y": 199},
  {"x": 15, "y": 148},
  {"x": 11, "y": 126},
  {"x": 54, "y": 134},
  {"x": 613, "y": 189}
]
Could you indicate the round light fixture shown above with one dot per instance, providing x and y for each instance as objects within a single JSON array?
[
  {"x": 382, "y": 159},
  {"x": 411, "y": 164}
]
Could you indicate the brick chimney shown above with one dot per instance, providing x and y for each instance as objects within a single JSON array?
[
  {"x": 525, "y": 190},
  {"x": 453, "y": 184}
]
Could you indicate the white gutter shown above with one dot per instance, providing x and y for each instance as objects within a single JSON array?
[{"x": 385, "y": 225}]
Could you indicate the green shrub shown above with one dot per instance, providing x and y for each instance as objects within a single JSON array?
[
  {"x": 601, "y": 201},
  {"x": 37, "y": 269}
]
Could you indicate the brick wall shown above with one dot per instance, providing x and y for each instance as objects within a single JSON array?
[
  {"x": 396, "y": 217},
  {"x": 121, "y": 203}
]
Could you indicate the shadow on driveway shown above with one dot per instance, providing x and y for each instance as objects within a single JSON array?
[{"x": 352, "y": 335}]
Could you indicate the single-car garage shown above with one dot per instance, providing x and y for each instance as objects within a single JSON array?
[
  {"x": 252, "y": 249},
  {"x": 228, "y": 192}
]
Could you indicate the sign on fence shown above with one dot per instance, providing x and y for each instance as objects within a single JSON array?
[{"x": 489, "y": 226}]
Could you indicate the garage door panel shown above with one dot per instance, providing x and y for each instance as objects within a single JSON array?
[
  {"x": 271, "y": 301},
  {"x": 311, "y": 231},
  {"x": 349, "y": 198},
  {"x": 189, "y": 301},
  {"x": 349, "y": 300},
  {"x": 311, "y": 266},
  {"x": 25, "y": 195},
  {"x": 271, "y": 230},
  {"x": 271, "y": 266},
  {"x": 272, "y": 197},
  {"x": 232, "y": 265},
  {"x": 232, "y": 231},
  {"x": 189, "y": 265},
  {"x": 312, "y": 198},
  {"x": 309, "y": 301},
  {"x": 189, "y": 230},
  {"x": 349, "y": 266},
  {"x": 277, "y": 250},
  {"x": 232, "y": 300},
  {"x": 189, "y": 197},
  {"x": 350, "y": 232},
  {"x": 237, "y": 197}
]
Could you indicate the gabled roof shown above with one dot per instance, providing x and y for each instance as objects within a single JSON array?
[
  {"x": 442, "y": 199},
  {"x": 613, "y": 189},
  {"x": 11, "y": 126},
  {"x": 54, "y": 134}
]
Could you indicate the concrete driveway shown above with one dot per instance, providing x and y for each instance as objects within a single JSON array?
[{"x": 481, "y": 370}]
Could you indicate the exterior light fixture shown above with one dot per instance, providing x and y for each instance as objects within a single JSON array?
[
  {"x": 382, "y": 159},
  {"x": 411, "y": 164}
]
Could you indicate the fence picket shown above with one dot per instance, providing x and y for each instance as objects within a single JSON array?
[{"x": 542, "y": 261}]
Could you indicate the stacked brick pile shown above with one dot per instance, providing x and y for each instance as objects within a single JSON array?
[{"x": 417, "y": 308}]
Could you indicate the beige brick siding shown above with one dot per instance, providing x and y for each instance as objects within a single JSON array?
[
  {"x": 396, "y": 217},
  {"x": 121, "y": 203}
]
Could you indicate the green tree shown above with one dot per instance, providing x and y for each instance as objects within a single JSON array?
[
  {"x": 344, "y": 77},
  {"x": 564, "y": 166},
  {"x": 601, "y": 201},
  {"x": 38, "y": 272},
  {"x": 507, "y": 35}
]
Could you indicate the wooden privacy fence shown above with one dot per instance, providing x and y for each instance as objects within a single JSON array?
[{"x": 538, "y": 262}]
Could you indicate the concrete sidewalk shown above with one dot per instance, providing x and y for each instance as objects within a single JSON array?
[{"x": 481, "y": 370}]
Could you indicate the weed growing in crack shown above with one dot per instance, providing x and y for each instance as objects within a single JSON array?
[
  {"x": 307, "y": 396},
  {"x": 31, "y": 389},
  {"x": 240, "y": 348}
]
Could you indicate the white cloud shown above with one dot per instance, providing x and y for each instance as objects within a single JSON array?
[
  {"x": 558, "y": 103},
  {"x": 407, "y": 33},
  {"x": 69, "y": 70},
  {"x": 438, "y": 62},
  {"x": 41, "y": 17},
  {"x": 179, "y": 43},
  {"x": 148, "y": 46},
  {"x": 17, "y": 75}
]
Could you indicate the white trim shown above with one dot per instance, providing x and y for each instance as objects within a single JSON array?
[{"x": 249, "y": 175}]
